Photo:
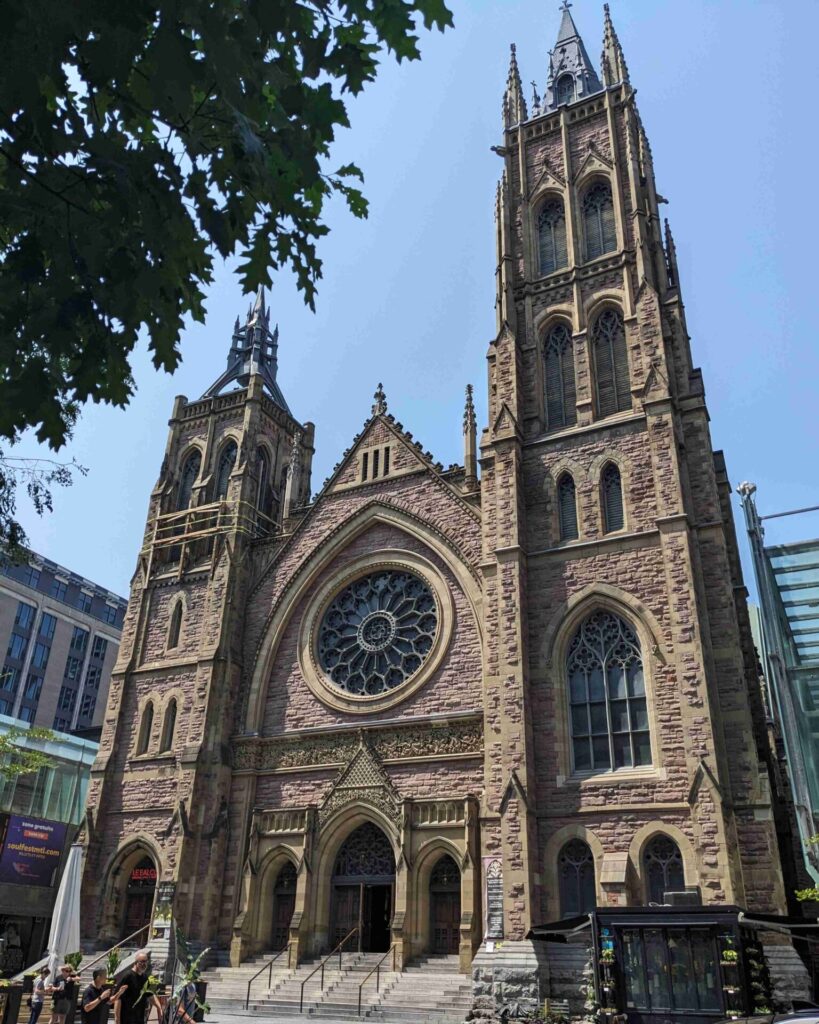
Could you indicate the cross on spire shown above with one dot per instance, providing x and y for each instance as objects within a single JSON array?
[{"x": 565, "y": 5}]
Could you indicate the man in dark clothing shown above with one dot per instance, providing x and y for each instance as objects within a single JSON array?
[
  {"x": 95, "y": 999},
  {"x": 131, "y": 1005}
]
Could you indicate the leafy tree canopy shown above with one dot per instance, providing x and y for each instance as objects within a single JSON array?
[{"x": 141, "y": 138}]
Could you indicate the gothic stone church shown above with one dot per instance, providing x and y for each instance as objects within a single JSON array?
[{"x": 430, "y": 706}]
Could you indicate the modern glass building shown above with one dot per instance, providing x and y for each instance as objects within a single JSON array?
[
  {"x": 787, "y": 578},
  {"x": 39, "y": 816}
]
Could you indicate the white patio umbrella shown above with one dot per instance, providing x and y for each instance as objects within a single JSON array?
[{"x": 64, "y": 936}]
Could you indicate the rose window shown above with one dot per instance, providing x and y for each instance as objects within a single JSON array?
[{"x": 378, "y": 632}]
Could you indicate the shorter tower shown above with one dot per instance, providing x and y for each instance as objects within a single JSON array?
[{"x": 222, "y": 484}]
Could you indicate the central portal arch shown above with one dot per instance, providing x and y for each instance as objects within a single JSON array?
[{"x": 363, "y": 889}]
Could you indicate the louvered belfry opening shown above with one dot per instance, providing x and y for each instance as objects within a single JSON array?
[
  {"x": 567, "y": 507},
  {"x": 599, "y": 228},
  {"x": 561, "y": 399},
  {"x": 611, "y": 364},
  {"x": 551, "y": 228},
  {"x": 611, "y": 487}
]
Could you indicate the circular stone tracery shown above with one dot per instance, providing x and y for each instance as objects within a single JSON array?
[{"x": 377, "y": 632}]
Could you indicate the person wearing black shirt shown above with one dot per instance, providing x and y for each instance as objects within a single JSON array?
[
  {"x": 131, "y": 1005},
  {"x": 95, "y": 999},
  {"x": 63, "y": 989}
]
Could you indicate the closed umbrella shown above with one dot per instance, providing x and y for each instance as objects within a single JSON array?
[{"x": 64, "y": 937}]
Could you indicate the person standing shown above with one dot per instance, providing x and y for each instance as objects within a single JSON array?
[
  {"x": 95, "y": 999},
  {"x": 38, "y": 995},
  {"x": 130, "y": 1006},
  {"x": 61, "y": 990}
]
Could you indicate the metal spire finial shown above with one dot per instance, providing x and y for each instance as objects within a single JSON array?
[
  {"x": 380, "y": 404},
  {"x": 565, "y": 5}
]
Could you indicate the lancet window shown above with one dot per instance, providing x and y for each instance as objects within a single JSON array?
[
  {"x": 607, "y": 696},
  {"x": 561, "y": 397},
  {"x": 551, "y": 233},
  {"x": 598, "y": 221}
]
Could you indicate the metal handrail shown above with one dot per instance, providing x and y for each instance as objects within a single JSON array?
[
  {"x": 377, "y": 972},
  {"x": 338, "y": 949},
  {"x": 128, "y": 938},
  {"x": 269, "y": 965}
]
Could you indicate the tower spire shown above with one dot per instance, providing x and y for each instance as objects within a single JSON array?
[
  {"x": 571, "y": 72},
  {"x": 514, "y": 105},
  {"x": 254, "y": 349},
  {"x": 470, "y": 441},
  {"x": 615, "y": 69}
]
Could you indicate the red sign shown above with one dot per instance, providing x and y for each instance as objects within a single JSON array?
[{"x": 142, "y": 875}]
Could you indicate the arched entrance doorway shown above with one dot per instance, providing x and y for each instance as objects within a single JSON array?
[
  {"x": 363, "y": 883},
  {"x": 139, "y": 895},
  {"x": 445, "y": 906},
  {"x": 284, "y": 903}
]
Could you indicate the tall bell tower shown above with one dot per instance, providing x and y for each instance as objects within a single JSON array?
[{"x": 604, "y": 503}]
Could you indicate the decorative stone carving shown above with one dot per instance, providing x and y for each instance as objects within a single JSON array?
[
  {"x": 462, "y": 737},
  {"x": 362, "y": 781}
]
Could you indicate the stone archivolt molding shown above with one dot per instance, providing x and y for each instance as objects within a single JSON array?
[
  {"x": 315, "y": 676},
  {"x": 460, "y": 738}
]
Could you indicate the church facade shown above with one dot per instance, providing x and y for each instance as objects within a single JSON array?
[{"x": 433, "y": 706}]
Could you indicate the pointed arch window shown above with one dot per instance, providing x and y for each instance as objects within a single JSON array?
[
  {"x": 565, "y": 91},
  {"x": 599, "y": 228},
  {"x": 145, "y": 727},
  {"x": 227, "y": 460},
  {"x": 662, "y": 868},
  {"x": 168, "y": 726},
  {"x": 551, "y": 237},
  {"x": 567, "y": 507},
  {"x": 575, "y": 867},
  {"x": 611, "y": 496},
  {"x": 188, "y": 477},
  {"x": 263, "y": 494},
  {"x": 607, "y": 696},
  {"x": 611, "y": 364},
  {"x": 175, "y": 627},
  {"x": 561, "y": 397}
]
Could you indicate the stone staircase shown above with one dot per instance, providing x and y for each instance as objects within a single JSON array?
[{"x": 430, "y": 991}]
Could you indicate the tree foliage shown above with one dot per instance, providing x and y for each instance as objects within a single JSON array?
[
  {"x": 36, "y": 477},
  {"x": 16, "y": 760},
  {"x": 141, "y": 139}
]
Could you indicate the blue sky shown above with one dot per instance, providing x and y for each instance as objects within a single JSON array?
[{"x": 728, "y": 93}]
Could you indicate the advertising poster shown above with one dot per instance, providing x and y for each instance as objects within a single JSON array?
[{"x": 32, "y": 850}]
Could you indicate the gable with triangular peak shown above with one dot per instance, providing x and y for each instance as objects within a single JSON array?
[
  {"x": 593, "y": 162},
  {"x": 549, "y": 177},
  {"x": 363, "y": 781},
  {"x": 389, "y": 453}
]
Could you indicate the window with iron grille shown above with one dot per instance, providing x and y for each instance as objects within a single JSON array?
[
  {"x": 567, "y": 507},
  {"x": 607, "y": 697},
  {"x": 575, "y": 868},
  {"x": 611, "y": 372},
  {"x": 551, "y": 237},
  {"x": 561, "y": 398},
  {"x": 611, "y": 488},
  {"x": 598, "y": 221}
]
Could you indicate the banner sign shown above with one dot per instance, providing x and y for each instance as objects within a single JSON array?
[{"x": 32, "y": 850}]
